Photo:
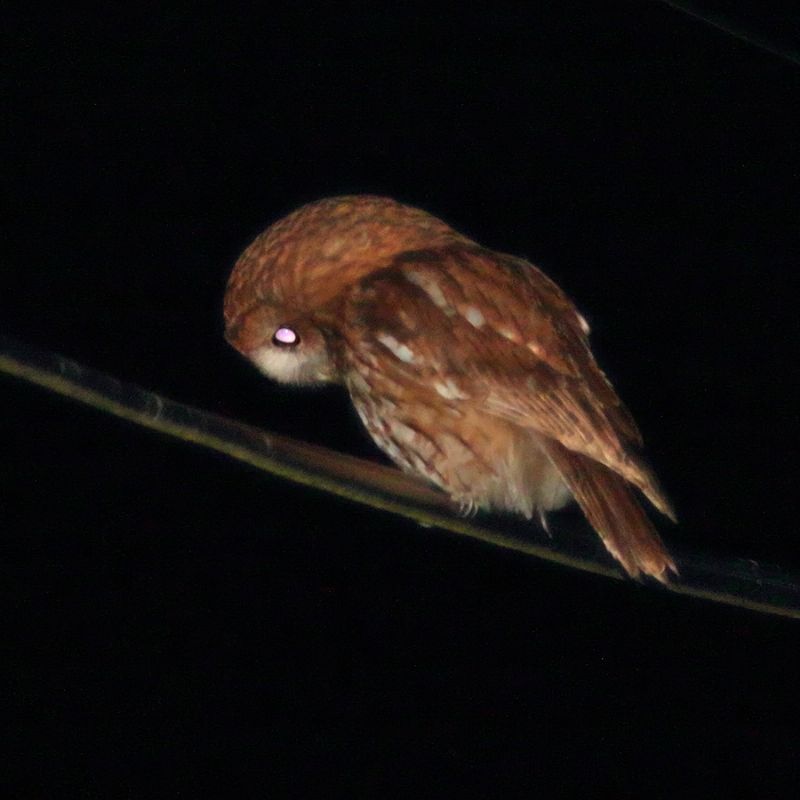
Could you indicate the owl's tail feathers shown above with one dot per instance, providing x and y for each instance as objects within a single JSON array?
[{"x": 609, "y": 504}]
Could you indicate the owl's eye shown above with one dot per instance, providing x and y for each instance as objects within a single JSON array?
[{"x": 285, "y": 337}]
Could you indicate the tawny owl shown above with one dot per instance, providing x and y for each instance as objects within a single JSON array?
[{"x": 468, "y": 367}]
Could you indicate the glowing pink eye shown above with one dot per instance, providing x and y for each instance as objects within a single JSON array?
[{"x": 285, "y": 337}]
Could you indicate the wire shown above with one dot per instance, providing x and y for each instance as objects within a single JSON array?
[
  {"x": 746, "y": 33},
  {"x": 736, "y": 582}
]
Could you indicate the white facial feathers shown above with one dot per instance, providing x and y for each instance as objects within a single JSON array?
[{"x": 281, "y": 364}]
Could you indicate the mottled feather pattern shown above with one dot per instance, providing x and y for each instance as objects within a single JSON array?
[
  {"x": 555, "y": 388},
  {"x": 469, "y": 368}
]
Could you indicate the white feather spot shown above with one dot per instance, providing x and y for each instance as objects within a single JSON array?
[
  {"x": 403, "y": 433},
  {"x": 535, "y": 348},
  {"x": 474, "y": 317},
  {"x": 508, "y": 333},
  {"x": 584, "y": 324},
  {"x": 333, "y": 246},
  {"x": 431, "y": 288},
  {"x": 400, "y": 350},
  {"x": 357, "y": 384},
  {"x": 449, "y": 390}
]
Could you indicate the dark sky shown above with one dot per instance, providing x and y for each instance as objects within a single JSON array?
[{"x": 177, "y": 622}]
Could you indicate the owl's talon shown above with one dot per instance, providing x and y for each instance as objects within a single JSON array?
[
  {"x": 467, "y": 507},
  {"x": 543, "y": 523}
]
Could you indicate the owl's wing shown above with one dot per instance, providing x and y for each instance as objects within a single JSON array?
[{"x": 495, "y": 330}]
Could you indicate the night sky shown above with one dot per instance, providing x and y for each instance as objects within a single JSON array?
[{"x": 177, "y": 623}]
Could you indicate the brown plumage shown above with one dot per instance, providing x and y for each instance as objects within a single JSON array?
[{"x": 468, "y": 367}]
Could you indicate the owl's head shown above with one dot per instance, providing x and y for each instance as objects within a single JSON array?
[
  {"x": 285, "y": 345},
  {"x": 284, "y": 297}
]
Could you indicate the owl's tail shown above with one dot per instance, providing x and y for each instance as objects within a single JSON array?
[{"x": 609, "y": 504}]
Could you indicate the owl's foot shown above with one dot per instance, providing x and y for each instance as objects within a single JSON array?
[{"x": 467, "y": 507}]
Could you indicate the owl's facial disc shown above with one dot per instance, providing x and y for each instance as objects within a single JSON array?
[{"x": 289, "y": 356}]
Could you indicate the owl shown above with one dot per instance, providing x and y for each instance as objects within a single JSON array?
[{"x": 469, "y": 368}]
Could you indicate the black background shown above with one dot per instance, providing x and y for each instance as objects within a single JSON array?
[{"x": 176, "y": 622}]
